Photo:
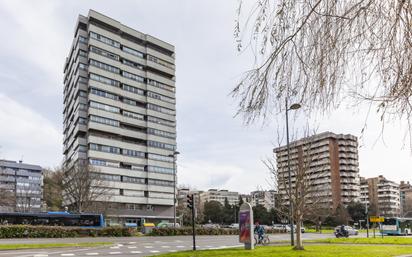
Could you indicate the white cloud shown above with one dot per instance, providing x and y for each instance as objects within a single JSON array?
[{"x": 24, "y": 132}]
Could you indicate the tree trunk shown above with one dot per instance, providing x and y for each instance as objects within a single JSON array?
[{"x": 298, "y": 243}]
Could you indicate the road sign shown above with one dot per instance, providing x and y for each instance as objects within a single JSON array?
[{"x": 376, "y": 219}]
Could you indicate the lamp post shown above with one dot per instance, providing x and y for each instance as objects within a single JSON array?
[
  {"x": 174, "y": 155},
  {"x": 292, "y": 107}
]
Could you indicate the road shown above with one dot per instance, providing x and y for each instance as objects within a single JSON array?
[{"x": 134, "y": 246}]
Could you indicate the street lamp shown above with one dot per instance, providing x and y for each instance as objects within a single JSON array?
[
  {"x": 292, "y": 107},
  {"x": 174, "y": 155}
]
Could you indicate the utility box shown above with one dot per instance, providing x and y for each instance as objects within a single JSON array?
[{"x": 147, "y": 227}]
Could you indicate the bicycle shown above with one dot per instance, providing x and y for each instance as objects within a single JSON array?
[{"x": 264, "y": 241}]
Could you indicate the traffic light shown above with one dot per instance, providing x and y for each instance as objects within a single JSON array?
[{"x": 190, "y": 201}]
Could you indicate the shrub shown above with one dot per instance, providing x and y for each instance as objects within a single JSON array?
[{"x": 27, "y": 231}]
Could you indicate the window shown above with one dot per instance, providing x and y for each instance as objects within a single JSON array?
[
  {"x": 160, "y": 169},
  {"x": 133, "y": 153},
  {"x": 98, "y": 162},
  {"x": 82, "y": 53},
  {"x": 82, "y": 39},
  {"x": 160, "y": 61},
  {"x": 160, "y": 182},
  {"x": 106, "y": 121},
  {"x": 82, "y": 148},
  {"x": 133, "y": 115},
  {"x": 82, "y": 80},
  {"x": 129, "y": 101},
  {"x": 133, "y": 180},
  {"x": 160, "y": 85},
  {"x": 121, "y": 192},
  {"x": 158, "y": 157},
  {"x": 104, "y": 94},
  {"x": 160, "y": 97},
  {"x": 158, "y": 108},
  {"x": 82, "y": 121},
  {"x": 132, "y": 51},
  {"x": 161, "y": 133},
  {"x": 132, "y": 64},
  {"x": 133, "y": 89},
  {"x": 104, "y": 53},
  {"x": 132, "y": 76},
  {"x": 104, "y": 66},
  {"x": 105, "y": 148},
  {"x": 160, "y": 145},
  {"x": 105, "y": 40},
  {"x": 82, "y": 66},
  {"x": 104, "y": 80},
  {"x": 108, "y": 177},
  {"x": 161, "y": 121},
  {"x": 104, "y": 107},
  {"x": 82, "y": 93}
]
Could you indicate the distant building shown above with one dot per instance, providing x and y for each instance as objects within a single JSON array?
[
  {"x": 382, "y": 195},
  {"x": 21, "y": 186},
  {"x": 333, "y": 167},
  {"x": 219, "y": 196},
  {"x": 265, "y": 198},
  {"x": 406, "y": 199}
]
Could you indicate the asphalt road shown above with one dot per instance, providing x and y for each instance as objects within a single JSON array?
[{"x": 135, "y": 246}]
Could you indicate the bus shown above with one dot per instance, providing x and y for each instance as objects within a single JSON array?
[
  {"x": 397, "y": 226},
  {"x": 87, "y": 220}
]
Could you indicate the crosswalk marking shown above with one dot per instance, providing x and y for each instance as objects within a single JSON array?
[
  {"x": 135, "y": 252},
  {"x": 92, "y": 253},
  {"x": 115, "y": 253}
]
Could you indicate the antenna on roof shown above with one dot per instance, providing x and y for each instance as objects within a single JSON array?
[{"x": 21, "y": 159}]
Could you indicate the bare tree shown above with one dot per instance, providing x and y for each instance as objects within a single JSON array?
[
  {"x": 306, "y": 191},
  {"x": 319, "y": 52},
  {"x": 83, "y": 186}
]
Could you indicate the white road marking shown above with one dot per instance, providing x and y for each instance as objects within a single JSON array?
[
  {"x": 180, "y": 246},
  {"x": 165, "y": 246},
  {"x": 114, "y": 247},
  {"x": 148, "y": 246},
  {"x": 92, "y": 253},
  {"x": 172, "y": 251},
  {"x": 67, "y": 254},
  {"x": 115, "y": 253},
  {"x": 40, "y": 255},
  {"x": 132, "y": 243},
  {"x": 135, "y": 252},
  {"x": 132, "y": 247},
  {"x": 155, "y": 251},
  {"x": 178, "y": 241},
  {"x": 119, "y": 245}
]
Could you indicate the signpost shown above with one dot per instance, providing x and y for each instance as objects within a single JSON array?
[
  {"x": 246, "y": 226},
  {"x": 376, "y": 219}
]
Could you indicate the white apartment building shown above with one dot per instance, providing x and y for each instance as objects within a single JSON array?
[
  {"x": 382, "y": 196},
  {"x": 265, "y": 198},
  {"x": 120, "y": 115},
  {"x": 331, "y": 162},
  {"x": 219, "y": 196}
]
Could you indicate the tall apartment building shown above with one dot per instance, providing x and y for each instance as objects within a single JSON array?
[
  {"x": 219, "y": 196},
  {"x": 21, "y": 186},
  {"x": 331, "y": 164},
  {"x": 406, "y": 199},
  {"x": 382, "y": 195},
  {"x": 120, "y": 115},
  {"x": 265, "y": 198}
]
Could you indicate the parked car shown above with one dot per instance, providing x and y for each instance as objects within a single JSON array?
[
  {"x": 167, "y": 225},
  {"x": 351, "y": 231},
  {"x": 234, "y": 225},
  {"x": 302, "y": 228},
  {"x": 211, "y": 225}
]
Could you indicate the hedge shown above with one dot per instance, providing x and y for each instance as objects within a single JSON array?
[
  {"x": 27, "y": 231},
  {"x": 199, "y": 231}
]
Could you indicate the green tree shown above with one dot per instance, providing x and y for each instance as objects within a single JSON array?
[
  {"x": 213, "y": 212},
  {"x": 260, "y": 214},
  {"x": 53, "y": 188},
  {"x": 228, "y": 213},
  {"x": 356, "y": 211}
]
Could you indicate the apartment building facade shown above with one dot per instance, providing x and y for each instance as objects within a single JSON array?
[
  {"x": 219, "y": 196},
  {"x": 331, "y": 164},
  {"x": 405, "y": 189},
  {"x": 263, "y": 197},
  {"x": 120, "y": 116},
  {"x": 381, "y": 195},
  {"x": 21, "y": 185}
]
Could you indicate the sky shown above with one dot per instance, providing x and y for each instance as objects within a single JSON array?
[{"x": 217, "y": 149}]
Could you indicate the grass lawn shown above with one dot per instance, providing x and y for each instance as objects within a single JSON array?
[
  {"x": 310, "y": 251},
  {"x": 53, "y": 245},
  {"x": 378, "y": 240}
]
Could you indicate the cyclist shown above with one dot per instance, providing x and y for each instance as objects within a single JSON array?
[{"x": 260, "y": 231}]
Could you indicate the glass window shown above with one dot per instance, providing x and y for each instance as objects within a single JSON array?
[
  {"x": 133, "y": 153},
  {"x": 158, "y": 157},
  {"x": 133, "y": 89},
  {"x": 132, "y": 76},
  {"x": 104, "y": 94},
  {"x": 133, "y": 115},
  {"x": 104, "y": 39},
  {"x": 105, "y": 148},
  {"x": 104, "y": 66},
  {"x": 132, "y": 64},
  {"x": 158, "y": 108},
  {"x": 157, "y": 169},
  {"x": 160, "y": 97},
  {"x": 104, "y": 80},
  {"x": 132, "y": 51},
  {"x": 160, "y": 85},
  {"x": 161, "y": 121},
  {"x": 160, "y": 61},
  {"x": 160, "y": 145},
  {"x": 104, "y": 53},
  {"x": 104, "y": 107},
  {"x": 161, "y": 133},
  {"x": 106, "y": 121}
]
